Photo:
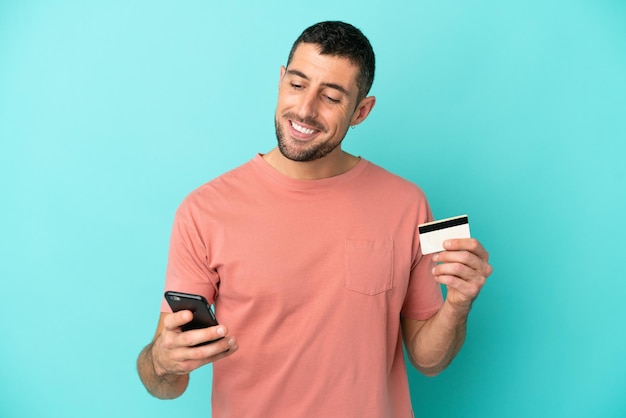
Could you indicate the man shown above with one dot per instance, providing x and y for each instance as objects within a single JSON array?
[{"x": 311, "y": 256}]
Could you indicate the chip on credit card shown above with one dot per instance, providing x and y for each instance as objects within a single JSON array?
[{"x": 433, "y": 234}]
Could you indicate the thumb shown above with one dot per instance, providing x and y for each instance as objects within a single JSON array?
[{"x": 177, "y": 319}]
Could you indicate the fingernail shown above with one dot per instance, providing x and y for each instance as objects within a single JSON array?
[
  {"x": 220, "y": 331},
  {"x": 435, "y": 257}
]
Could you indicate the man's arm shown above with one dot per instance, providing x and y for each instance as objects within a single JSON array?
[
  {"x": 164, "y": 364},
  {"x": 433, "y": 343}
]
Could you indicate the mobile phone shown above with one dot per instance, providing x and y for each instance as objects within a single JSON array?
[{"x": 203, "y": 316}]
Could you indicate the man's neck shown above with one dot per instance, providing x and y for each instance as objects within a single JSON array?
[{"x": 331, "y": 165}]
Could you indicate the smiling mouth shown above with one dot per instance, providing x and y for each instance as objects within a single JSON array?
[{"x": 302, "y": 129}]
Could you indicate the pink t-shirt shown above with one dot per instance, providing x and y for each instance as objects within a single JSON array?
[{"x": 312, "y": 277}]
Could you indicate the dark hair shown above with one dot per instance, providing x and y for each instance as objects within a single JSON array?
[{"x": 342, "y": 40}]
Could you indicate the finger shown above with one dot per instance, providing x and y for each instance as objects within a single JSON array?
[
  {"x": 177, "y": 319},
  {"x": 469, "y": 288},
  {"x": 215, "y": 350},
  {"x": 457, "y": 270},
  {"x": 463, "y": 257},
  {"x": 467, "y": 244},
  {"x": 195, "y": 337},
  {"x": 232, "y": 348},
  {"x": 200, "y": 356}
]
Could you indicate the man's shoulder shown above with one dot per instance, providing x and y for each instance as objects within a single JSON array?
[
  {"x": 238, "y": 174},
  {"x": 227, "y": 184},
  {"x": 393, "y": 182}
]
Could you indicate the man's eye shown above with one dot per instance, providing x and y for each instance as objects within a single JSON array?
[
  {"x": 296, "y": 86},
  {"x": 332, "y": 99}
]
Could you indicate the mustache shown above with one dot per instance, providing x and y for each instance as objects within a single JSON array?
[{"x": 305, "y": 121}]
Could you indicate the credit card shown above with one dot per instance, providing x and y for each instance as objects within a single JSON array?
[{"x": 433, "y": 234}]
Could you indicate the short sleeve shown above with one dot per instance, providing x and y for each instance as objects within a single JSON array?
[
  {"x": 187, "y": 265},
  {"x": 424, "y": 297}
]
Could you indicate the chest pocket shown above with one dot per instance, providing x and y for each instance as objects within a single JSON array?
[{"x": 369, "y": 266}]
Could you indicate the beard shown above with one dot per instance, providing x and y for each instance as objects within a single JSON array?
[{"x": 303, "y": 151}]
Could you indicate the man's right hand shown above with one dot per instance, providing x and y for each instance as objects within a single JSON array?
[
  {"x": 177, "y": 352},
  {"x": 164, "y": 364}
]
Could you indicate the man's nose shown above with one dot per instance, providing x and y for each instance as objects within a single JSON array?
[{"x": 307, "y": 108}]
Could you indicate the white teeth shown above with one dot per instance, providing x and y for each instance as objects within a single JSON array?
[{"x": 302, "y": 129}]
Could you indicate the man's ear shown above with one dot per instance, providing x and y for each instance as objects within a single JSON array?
[
  {"x": 283, "y": 70},
  {"x": 363, "y": 110}
]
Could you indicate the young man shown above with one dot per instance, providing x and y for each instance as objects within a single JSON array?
[{"x": 312, "y": 258}]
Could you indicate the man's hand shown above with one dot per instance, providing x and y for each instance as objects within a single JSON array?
[
  {"x": 176, "y": 352},
  {"x": 463, "y": 269},
  {"x": 164, "y": 364}
]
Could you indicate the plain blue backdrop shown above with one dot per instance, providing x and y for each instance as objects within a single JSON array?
[{"x": 111, "y": 112}]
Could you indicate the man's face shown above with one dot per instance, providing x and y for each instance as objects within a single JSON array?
[{"x": 316, "y": 104}]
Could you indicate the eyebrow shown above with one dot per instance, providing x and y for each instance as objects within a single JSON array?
[{"x": 330, "y": 85}]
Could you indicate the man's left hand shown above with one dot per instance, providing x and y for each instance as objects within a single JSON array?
[{"x": 463, "y": 268}]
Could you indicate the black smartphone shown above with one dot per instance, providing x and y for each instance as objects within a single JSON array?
[{"x": 203, "y": 316}]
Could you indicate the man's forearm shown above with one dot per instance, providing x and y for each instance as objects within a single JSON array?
[
  {"x": 162, "y": 387},
  {"x": 435, "y": 344}
]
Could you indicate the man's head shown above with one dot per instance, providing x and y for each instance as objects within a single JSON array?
[
  {"x": 322, "y": 91},
  {"x": 342, "y": 40}
]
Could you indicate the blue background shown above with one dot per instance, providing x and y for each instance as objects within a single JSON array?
[{"x": 512, "y": 112}]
